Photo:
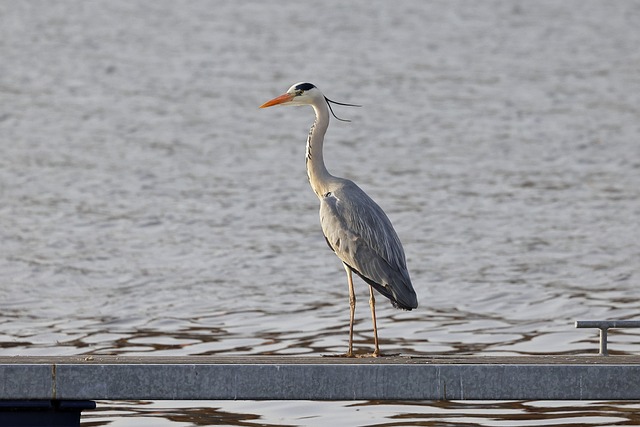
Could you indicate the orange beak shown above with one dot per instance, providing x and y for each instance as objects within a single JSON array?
[{"x": 286, "y": 97}]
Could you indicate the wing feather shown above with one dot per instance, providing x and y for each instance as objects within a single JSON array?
[{"x": 362, "y": 236}]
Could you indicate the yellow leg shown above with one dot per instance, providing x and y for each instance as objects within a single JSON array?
[
  {"x": 372, "y": 304},
  {"x": 352, "y": 307}
]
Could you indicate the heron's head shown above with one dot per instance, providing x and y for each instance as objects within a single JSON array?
[
  {"x": 298, "y": 94},
  {"x": 304, "y": 94}
]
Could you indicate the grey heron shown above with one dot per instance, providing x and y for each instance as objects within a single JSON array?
[{"x": 354, "y": 226}]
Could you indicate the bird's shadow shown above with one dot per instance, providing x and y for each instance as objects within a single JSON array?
[{"x": 361, "y": 355}]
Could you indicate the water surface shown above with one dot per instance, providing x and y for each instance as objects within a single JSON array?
[{"x": 148, "y": 207}]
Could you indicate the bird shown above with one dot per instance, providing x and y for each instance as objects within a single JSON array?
[{"x": 354, "y": 226}]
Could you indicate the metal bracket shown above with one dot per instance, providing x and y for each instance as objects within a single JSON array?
[{"x": 604, "y": 326}]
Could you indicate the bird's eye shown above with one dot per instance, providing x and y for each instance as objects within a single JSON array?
[
  {"x": 328, "y": 194},
  {"x": 299, "y": 92}
]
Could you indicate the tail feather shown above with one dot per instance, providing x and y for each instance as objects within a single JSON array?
[{"x": 406, "y": 299}]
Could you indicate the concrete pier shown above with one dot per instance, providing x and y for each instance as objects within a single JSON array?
[{"x": 320, "y": 378}]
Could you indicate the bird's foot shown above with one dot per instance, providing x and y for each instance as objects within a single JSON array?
[{"x": 362, "y": 355}]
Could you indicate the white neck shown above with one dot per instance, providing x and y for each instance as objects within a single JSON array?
[{"x": 319, "y": 177}]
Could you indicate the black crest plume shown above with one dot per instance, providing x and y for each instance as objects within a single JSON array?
[{"x": 329, "y": 102}]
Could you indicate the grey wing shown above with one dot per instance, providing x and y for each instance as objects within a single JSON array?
[{"x": 362, "y": 236}]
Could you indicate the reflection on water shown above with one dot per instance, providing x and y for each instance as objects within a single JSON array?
[
  {"x": 149, "y": 207},
  {"x": 380, "y": 414},
  {"x": 452, "y": 333}
]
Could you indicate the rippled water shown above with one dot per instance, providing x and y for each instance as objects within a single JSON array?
[{"x": 149, "y": 207}]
